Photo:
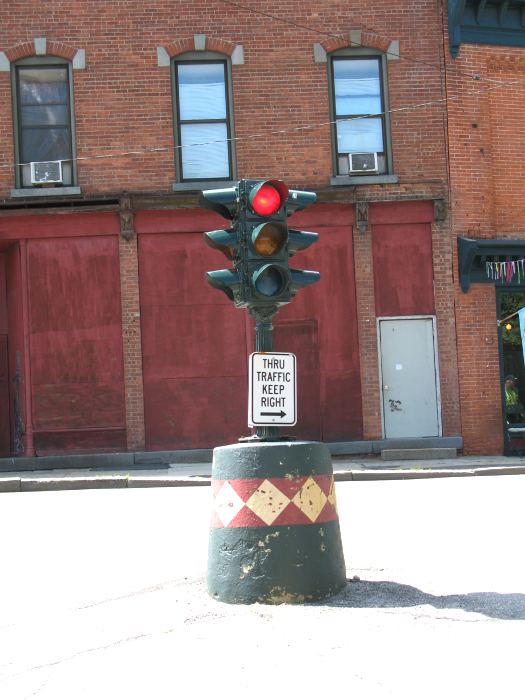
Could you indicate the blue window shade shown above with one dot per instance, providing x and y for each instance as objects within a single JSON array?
[
  {"x": 357, "y": 87},
  {"x": 44, "y": 114},
  {"x": 202, "y": 91},
  {"x": 45, "y": 144},
  {"x": 360, "y": 136},
  {"x": 203, "y": 120},
  {"x": 43, "y": 86},
  {"x": 209, "y": 160}
]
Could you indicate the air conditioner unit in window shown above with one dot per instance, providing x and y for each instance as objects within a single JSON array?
[
  {"x": 362, "y": 162},
  {"x": 46, "y": 171}
]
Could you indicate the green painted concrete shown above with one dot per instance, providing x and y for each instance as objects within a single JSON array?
[{"x": 275, "y": 564}]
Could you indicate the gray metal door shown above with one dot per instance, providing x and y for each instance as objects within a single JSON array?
[{"x": 408, "y": 367}]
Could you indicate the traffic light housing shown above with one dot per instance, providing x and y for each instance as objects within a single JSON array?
[
  {"x": 228, "y": 241},
  {"x": 259, "y": 244}
]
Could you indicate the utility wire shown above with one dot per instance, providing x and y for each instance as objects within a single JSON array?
[
  {"x": 274, "y": 132},
  {"x": 332, "y": 35}
]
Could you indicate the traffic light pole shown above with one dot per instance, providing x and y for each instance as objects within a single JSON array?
[
  {"x": 263, "y": 316},
  {"x": 284, "y": 490}
]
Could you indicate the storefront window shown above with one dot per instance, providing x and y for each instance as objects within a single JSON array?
[{"x": 512, "y": 369}]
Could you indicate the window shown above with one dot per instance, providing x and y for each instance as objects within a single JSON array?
[
  {"x": 43, "y": 120},
  {"x": 360, "y": 134},
  {"x": 203, "y": 124}
]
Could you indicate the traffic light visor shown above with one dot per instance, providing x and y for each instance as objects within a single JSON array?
[
  {"x": 226, "y": 280},
  {"x": 268, "y": 197},
  {"x": 224, "y": 202},
  {"x": 268, "y": 239},
  {"x": 225, "y": 241}
]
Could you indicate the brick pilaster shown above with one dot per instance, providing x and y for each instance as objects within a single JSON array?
[
  {"x": 367, "y": 330},
  {"x": 446, "y": 328},
  {"x": 132, "y": 343}
]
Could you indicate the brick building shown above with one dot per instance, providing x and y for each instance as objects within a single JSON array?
[
  {"x": 110, "y": 338},
  {"x": 486, "y": 99}
]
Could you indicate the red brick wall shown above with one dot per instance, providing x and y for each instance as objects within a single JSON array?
[
  {"x": 485, "y": 125},
  {"x": 123, "y": 103},
  {"x": 123, "y": 99}
]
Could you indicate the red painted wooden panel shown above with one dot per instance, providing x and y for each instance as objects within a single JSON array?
[
  {"x": 3, "y": 297},
  {"x": 179, "y": 221},
  {"x": 76, "y": 342},
  {"x": 401, "y": 212},
  {"x": 195, "y": 344},
  {"x": 5, "y": 431},
  {"x": 302, "y": 338},
  {"x": 200, "y": 220},
  {"x": 80, "y": 441},
  {"x": 59, "y": 226},
  {"x": 403, "y": 276},
  {"x": 194, "y": 347},
  {"x": 16, "y": 342},
  {"x": 332, "y": 303}
]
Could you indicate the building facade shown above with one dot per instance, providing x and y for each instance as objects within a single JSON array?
[
  {"x": 115, "y": 116},
  {"x": 485, "y": 72}
]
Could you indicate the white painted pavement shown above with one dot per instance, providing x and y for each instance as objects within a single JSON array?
[{"x": 102, "y": 596}]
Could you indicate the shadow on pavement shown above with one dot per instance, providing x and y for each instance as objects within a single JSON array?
[{"x": 389, "y": 594}]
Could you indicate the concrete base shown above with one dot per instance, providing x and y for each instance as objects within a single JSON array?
[
  {"x": 422, "y": 453},
  {"x": 275, "y": 534}
]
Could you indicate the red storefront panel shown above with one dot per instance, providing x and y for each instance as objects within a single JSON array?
[
  {"x": 194, "y": 347},
  {"x": 196, "y": 344},
  {"x": 403, "y": 276},
  {"x": 331, "y": 305},
  {"x": 76, "y": 344}
]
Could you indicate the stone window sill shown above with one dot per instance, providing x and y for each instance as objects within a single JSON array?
[
  {"x": 202, "y": 185},
  {"x": 45, "y": 191},
  {"x": 346, "y": 180}
]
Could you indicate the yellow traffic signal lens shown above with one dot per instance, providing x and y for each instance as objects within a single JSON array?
[{"x": 269, "y": 239}]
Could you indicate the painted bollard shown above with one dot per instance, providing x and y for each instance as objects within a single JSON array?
[{"x": 275, "y": 535}]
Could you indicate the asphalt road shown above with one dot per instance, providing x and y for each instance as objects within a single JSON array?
[{"x": 102, "y": 596}]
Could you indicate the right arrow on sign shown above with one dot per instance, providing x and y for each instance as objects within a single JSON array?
[{"x": 280, "y": 413}]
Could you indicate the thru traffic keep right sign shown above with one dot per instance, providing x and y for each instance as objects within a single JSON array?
[{"x": 273, "y": 389}]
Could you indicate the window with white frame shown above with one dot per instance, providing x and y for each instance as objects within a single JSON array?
[
  {"x": 43, "y": 123},
  {"x": 360, "y": 124},
  {"x": 203, "y": 119}
]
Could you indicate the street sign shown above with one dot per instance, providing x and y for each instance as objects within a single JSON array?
[{"x": 273, "y": 389}]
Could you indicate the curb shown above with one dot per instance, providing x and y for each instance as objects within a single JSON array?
[{"x": 69, "y": 483}]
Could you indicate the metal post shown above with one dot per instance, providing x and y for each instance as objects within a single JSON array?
[{"x": 264, "y": 343}]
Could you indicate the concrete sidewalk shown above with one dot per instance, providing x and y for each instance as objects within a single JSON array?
[{"x": 353, "y": 468}]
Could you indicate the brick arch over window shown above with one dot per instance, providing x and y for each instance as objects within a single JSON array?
[
  {"x": 41, "y": 46},
  {"x": 200, "y": 42},
  {"x": 361, "y": 39}
]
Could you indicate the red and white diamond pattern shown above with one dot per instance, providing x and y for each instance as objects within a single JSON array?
[{"x": 284, "y": 501}]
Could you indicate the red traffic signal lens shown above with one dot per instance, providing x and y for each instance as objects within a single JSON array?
[
  {"x": 269, "y": 197},
  {"x": 269, "y": 239},
  {"x": 267, "y": 201}
]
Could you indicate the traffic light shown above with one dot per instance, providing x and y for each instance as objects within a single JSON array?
[
  {"x": 229, "y": 241},
  {"x": 259, "y": 244},
  {"x": 271, "y": 243}
]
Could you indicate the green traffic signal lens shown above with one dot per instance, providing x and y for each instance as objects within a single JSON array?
[
  {"x": 269, "y": 282},
  {"x": 269, "y": 239}
]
